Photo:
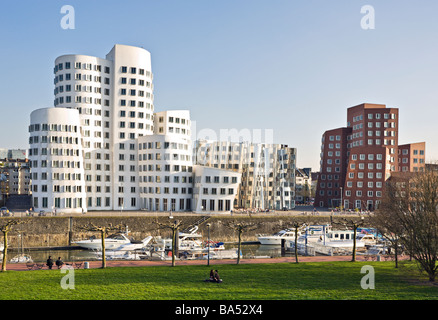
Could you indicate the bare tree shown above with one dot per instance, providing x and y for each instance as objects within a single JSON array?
[
  {"x": 174, "y": 227},
  {"x": 411, "y": 203},
  {"x": 297, "y": 226},
  {"x": 240, "y": 227},
  {"x": 352, "y": 224},
  {"x": 6, "y": 228},
  {"x": 389, "y": 229},
  {"x": 104, "y": 230}
]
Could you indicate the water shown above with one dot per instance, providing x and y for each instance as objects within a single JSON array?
[{"x": 248, "y": 250}]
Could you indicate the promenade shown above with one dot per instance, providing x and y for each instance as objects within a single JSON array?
[
  {"x": 297, "y": 211},
  {"x": 146, "y": 263}
]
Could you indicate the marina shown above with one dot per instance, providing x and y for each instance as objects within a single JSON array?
[{"x": 313, "y": 240}]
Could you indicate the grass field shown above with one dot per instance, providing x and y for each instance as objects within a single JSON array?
[{"x": 283, "y": 281}]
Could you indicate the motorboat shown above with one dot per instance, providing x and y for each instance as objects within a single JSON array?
[
  {"x": 118, "y": 241},
  {"x": 276, "y": 238},
  {"x": 314, "y": 233},
  {"x": 369, "y": 239},
  {"x": 189, "y": 241}
]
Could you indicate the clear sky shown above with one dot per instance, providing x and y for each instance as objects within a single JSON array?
[{"x": 293, "y": 66}]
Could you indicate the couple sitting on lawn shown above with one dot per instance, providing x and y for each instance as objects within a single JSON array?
[{"x": 214, "y": 276}]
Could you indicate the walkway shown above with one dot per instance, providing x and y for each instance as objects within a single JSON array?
[{"x": 146, "y": 263}]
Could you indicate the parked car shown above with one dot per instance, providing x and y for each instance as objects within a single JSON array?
[
  {"x": 4, "y": 211},
  {"x": 41, "y": 214}
]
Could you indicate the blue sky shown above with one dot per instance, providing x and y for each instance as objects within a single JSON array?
[{"x": 293, "y": 66}]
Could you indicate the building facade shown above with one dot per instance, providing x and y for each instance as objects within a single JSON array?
[
  {"x": 267, "y": 171},
  {"x": 357, "y": 160},
  {"x": 102, "y": 147}
]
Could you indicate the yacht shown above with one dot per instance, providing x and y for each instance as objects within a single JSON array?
[
  {"x": 118, "y": 241},
  {"x": 276, "y": 238}
]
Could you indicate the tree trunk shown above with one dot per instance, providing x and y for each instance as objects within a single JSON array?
[
  {"x": 173, "y": 246},
  {"x": 103, "y": 250},
  {"x": 5, "y": 251},
  {"x": 296, "y": 245},
  {"x": 238, "y": 246},
  {"x": 354, "y": 245}
]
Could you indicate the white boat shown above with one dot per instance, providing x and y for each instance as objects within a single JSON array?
[
  {"x": 221, "y": 254},
  {"x": 21, "y": 258},
  {"x": 119, "y": 255},
  {"x": 118, "y": 241},
  {"x": 328, "y": 241},
  {"x": 369, "y": 239},
  {"x": 314, "y": 233},
  {"x": 276, "y": 238},
  {"x": 190, "y": 242}
]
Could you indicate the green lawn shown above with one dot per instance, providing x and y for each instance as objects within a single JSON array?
[{"x": 284, "y": 281}]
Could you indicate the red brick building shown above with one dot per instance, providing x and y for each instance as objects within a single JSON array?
[{"x": 362, "y": 156}]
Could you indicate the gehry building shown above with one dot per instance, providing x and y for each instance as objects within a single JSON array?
[
  {"x": 357, "y": 160},
  {"x": 102, "y": 147},
  {"x": 267, "y": 171}
]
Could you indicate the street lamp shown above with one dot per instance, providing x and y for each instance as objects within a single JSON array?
[
  {"x": 208, "y": 244},
  {"x": 342, "y": 207}
]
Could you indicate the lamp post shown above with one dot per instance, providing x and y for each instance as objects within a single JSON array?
[
  {"x": 341, "y": 206},
  {"x": 208, "y": 244}
]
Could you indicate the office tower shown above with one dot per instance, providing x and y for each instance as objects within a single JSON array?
[{"x": 357, "y": 160}]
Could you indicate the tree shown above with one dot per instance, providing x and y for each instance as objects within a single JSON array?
[
  {"x": 6, "y": 228},
  {"x": 104, "y": 230},
  {"x": 352, "y": 224},
  {"x": 411, "y": 204},
  {"x": 297, "y": 226},
  {"x": 389, "y": 229},
  {"x": 240, "y": 227},
  {"x": 174, "y": 227}
]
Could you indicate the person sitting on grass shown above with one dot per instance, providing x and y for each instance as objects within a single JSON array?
[
  {"x": 216, "y": 277},
  {"x": 49, "y": 262},
  {"x": 59, "y": 263}
]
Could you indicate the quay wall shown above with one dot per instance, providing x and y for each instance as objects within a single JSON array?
[{"x": 62, "y": 231}]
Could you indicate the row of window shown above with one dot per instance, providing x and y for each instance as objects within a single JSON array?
[
  {"x": 80, "y": 77},
  {"x": 165, "y": 157},
  {"x": 55, "y": 164},
  {"x": 163, "y": 145},
  {"x": 133, "y": 70},
  {"x": 52, "y": 127},
  {"x": 165, "y": 168},
  {"x": 370, "y": 166},
  {"x": 54, "y": 152},
  {"x": 175, "y": 120},
  {"x": 53, "y": 139},
  {"x": 167, "y": 190},
  {"x": 359, "y": 193},
  {"x": 377, "y": 116},
  {"x": 80, "y": 65},
  {"x": 167, "y": 179}
]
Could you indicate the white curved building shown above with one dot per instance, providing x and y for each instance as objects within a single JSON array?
[
  {"x": 114, "y": 97},
  {"x": 102, "y": 147},
  {"x": 55, "y": 155},
  {"x": 165, "y": 163}
]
